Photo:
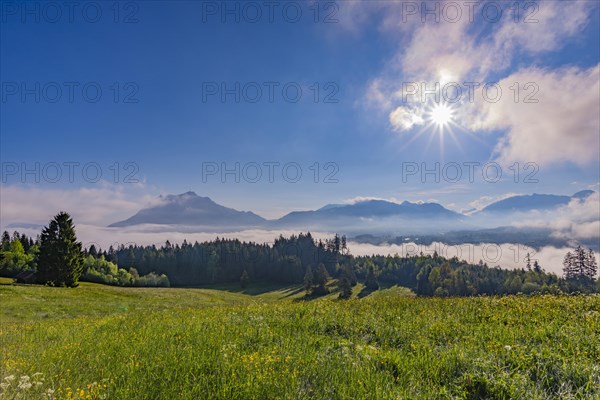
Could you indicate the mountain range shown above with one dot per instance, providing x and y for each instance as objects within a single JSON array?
[{"x": 369, "y": 216}]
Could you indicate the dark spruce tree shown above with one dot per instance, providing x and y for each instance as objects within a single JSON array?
[
  {"x": 569, "y": 271},
  {"x": 537, "y": 268},
  {"x": 344, "y": 286},
  {"x": 370, "y": 281},
  {"x": 348, "y": 271},
  {"x": 5, "y": 241},
  {"x": 308, "y": 279},
  {"x": 591, "y": 268},
  {"x": 320, "y": 281},
  {"x": 60, "y": 259}
]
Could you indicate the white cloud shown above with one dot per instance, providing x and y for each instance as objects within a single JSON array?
[
  {"x": 377, "y": 95},
  {"x": 555, "y": 21},
  {"x": 404, "y": 118},
  {"x": 563, "y": 125},
  {"x": 578, "y": 220},
  {"x": 100, "y": 205},
  {"x": 485, "y": 201},
  {"x": 360, "y": 199},
  {"x": 506, "y": 255},
  {"x": 147, "y": 235},
  {"x": 460, "y": 49}
]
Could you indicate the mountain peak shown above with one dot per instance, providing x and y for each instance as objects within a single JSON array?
[
  {"x": 190, "y": 209},
  {"x": 187, "y": 197}
]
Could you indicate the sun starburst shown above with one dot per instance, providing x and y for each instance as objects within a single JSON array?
[{"x": 441, "y": 115}]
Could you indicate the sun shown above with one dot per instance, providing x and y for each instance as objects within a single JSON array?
[
  {"x": 438, "y": 119},
  {"x": 441, "y": 115}
]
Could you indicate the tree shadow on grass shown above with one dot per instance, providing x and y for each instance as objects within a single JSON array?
[
  {"x": 382, "y": 286},
  {"x": 254, "y": 288},
  {"x": 290, "y": 292},
  {"x": 365, "y": 292},
  {"x": 313, "y": 296}
]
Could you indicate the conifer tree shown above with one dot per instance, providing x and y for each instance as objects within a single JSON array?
[
  {"x": 350, "y": 274},
  {"x": 60, "y": 259},
  {"x": 568, "y": 267},
  {"x": 580, "y": 261},
  {"x": 344, "y": 287},
  {"x": 308, "y": 279},
  {"x": 345, "y": 249},
  {"x": 370, "y": 281},
  {"x": 580, "y": 265},
  {"x": 537, "y": 268},
  {"x": 591, "y": 265},
  {"x": 528, "y": 262},
  {"x": 5, "y": 241},
  {"x": 320, "y": 280},
  {"x": 337, "y": 243},
  {"x": 93, "y": 251}
]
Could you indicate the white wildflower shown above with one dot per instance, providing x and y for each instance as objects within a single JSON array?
[
  {"x": 24, "y": 385},
  {"x": 10, "y": 378}
]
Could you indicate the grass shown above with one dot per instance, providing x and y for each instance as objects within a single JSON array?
[{"x": 266, "y": 343}]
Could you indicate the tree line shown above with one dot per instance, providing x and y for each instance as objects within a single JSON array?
[
  {"x": 56, "y": 258},
  {"x": 321, "y": 266}
]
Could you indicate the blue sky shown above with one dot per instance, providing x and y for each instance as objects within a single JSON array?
[{"x": 170, "y": 53}]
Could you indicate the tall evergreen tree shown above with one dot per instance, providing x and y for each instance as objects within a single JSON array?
[
  {"x": 320, "y": 280},
  {"x": 308, "y": 279},
  {"x": 350, "y": 274},
  {"x": 25, "y": 242},
  {"x": 371, "y": 281},
  {"x": 591, "y": 268},
  {"x": 423, "y": 287},
  {"x": 60, "y": 259},
  {"x": 93, "y": 251},
  {"x": 344, "y": 287},
  {"x": 569, "y": 271},
  {"x": 345, "y": 249},
  {"x": 5, "y": 241},
  {"x": 337, "y": 243},
  {"x": 580, "y": 262}
]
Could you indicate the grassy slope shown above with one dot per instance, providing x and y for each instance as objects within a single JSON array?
[
  {"x": 207, "y": 343},
  {"x": 31, "y": 302}
]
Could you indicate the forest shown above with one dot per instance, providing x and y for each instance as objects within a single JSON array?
[{"x": 300, "y": 259}]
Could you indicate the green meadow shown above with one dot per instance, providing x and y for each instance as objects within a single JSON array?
[{"x": 103, "y": 342}]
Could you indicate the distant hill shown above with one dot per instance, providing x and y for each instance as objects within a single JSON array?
[
  {"x": 533, "y": 202},
  {"x": 335, "y": 214},
  {"x": 190, "y": 212},
  {"x": 191, "y": 209}
]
